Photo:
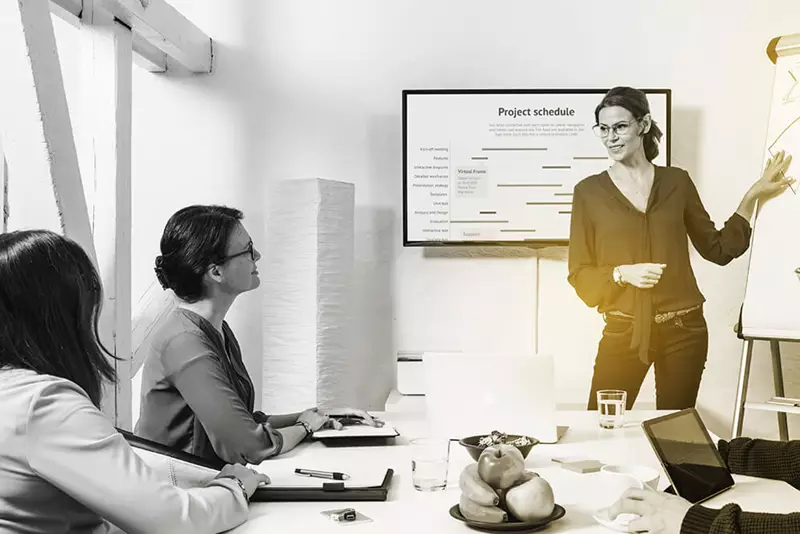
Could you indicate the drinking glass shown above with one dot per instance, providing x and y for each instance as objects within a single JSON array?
[
  {"x": 429, "y": 460},
  {"x": 611, "y": 407}
]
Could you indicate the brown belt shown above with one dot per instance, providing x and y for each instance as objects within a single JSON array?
[{"x": 659, "y": 317}]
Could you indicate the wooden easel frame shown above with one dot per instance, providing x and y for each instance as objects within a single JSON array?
[{"x": 779, "y": 403}]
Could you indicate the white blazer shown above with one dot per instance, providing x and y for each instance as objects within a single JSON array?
[{"x": 65, "y": 469}]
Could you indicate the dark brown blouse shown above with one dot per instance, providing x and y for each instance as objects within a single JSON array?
[
  {"x": 607, "y": 230},
  {"x": 198, "y": 397}
]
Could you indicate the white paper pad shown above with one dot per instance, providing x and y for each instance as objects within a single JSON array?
[
  {"x": 358, "y": 431},
  {"x": 283, "y": 475}
]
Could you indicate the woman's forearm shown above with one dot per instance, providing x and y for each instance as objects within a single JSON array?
[
  {"x": 778, "y": 460},
  {"x": 292, "y": 436},
  {"x": 283, "y": 420},
  {"x": 747, "y": 206}
]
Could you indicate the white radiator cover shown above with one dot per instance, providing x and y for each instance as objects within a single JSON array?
[{"x": 306, "y": 271}]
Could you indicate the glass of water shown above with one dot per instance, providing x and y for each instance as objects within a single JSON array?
[
  {"x": 611, "y": 407},
  {"x": 429, "y": 460}
]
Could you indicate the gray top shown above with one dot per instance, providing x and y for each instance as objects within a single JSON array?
[{"x": 198, "y": 397}]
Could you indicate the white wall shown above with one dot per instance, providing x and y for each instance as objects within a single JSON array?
[
  {"x": 312, "y": 89},
  {"x": 334, "y": 74}
]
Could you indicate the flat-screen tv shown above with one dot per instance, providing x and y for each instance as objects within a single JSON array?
[{"x": 498, "y": 167}]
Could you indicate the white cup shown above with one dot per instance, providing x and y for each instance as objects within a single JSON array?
[{"x": 646, "y": 475}]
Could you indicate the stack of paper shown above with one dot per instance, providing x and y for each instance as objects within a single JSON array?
[{"x": 358, "y": 431}]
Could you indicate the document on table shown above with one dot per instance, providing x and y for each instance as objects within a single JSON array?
[
  {"x": 358, "y": 431},
  {"x": 282, "y": 475}
]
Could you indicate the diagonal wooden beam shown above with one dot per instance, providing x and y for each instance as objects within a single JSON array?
[
  {"x": 35, "y": 127},
  {"x": 145, "y": 56},
  {"x": 161, "y": 35},
  {"x": 163, "y": 26},
  {"x": 107, "y": 89},
  {"x": 148, "y": 56},
  {"x": 68, "y": 10}
]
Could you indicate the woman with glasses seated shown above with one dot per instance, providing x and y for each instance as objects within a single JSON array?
[
  {"x": 63, "y": 465},
  {"x": 197, "y": 395},
  {"x": 629, "y": 255}
]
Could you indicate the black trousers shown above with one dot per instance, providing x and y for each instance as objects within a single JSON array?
[{"x": 678, "y": 349}]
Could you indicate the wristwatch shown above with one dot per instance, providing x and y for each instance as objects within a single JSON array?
[
  {"x": 306, "y": 427},
  {"x": 241, "y": 485},
  {"x": 618, "y": 277}
]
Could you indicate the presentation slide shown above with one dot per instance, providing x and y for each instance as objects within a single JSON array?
[{"x": 499, "y": 167}]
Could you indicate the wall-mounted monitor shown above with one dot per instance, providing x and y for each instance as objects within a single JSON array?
[{"x": 498, "y": 167}]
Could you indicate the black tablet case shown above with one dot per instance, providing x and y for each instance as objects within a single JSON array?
[{"x": 328, "y": 491}]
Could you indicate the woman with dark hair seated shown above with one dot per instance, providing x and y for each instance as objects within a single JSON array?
[
  {"x": 63, "y": 465},
  {"x": 197, "y": 395}
]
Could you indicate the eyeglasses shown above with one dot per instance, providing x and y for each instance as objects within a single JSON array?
[
  {"x": 620, "y": 128},
  {"x": 249, "y": 250}
]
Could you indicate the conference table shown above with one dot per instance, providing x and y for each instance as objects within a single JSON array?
[{"x": 407, "y": 509}]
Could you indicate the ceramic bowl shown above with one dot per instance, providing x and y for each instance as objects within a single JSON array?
[{"x": 471, "y": 444}]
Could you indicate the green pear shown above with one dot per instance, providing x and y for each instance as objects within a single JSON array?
[{"x": 531, "y": 500}]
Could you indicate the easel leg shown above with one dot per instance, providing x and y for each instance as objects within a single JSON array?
[
  {"x": 777, "y": 379},
  {"x": 741, "y": 389}
]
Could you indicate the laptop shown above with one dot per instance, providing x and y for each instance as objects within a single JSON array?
[
  {"x": 468, "y": 394},
  {"x": 689, "y": 457}
]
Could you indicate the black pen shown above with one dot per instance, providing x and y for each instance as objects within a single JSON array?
[{"x": 333, "y": 475}]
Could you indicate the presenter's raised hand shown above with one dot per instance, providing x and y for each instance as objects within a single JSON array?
[
  {"x": 250, "y": 477},
  {"x": 659, "y": 513},
  {"x": 642, "y": 275},
  {"x": 773, "y": 180}
]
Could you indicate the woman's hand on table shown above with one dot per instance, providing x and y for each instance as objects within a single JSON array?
[
  {"x": 366, "y": 418},
  {"x": 316, "y": 420},
  {"x": 659, "y": 513},
  {"x": 250, "y": 478}
]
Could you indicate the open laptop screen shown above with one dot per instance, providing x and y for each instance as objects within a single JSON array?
[{"x": 691, "y": 460}]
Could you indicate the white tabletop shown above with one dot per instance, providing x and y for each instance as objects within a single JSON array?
[{"x": 407, "y": 509}]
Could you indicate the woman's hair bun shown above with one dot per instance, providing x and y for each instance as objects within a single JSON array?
[{"x": 160, "y": 274}]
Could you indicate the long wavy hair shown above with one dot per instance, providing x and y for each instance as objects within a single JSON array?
[{"x": 50, "y": 302}]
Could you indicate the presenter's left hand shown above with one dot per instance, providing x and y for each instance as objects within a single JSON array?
[
  {"x": 660, "y": 513},
  {"x": 773, "y": 180},
  {"x": 341, "y": 412}
]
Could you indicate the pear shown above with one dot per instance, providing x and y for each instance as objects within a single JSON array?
[
  {"x": 531, "y": 500},
  {"x": 501, "y": 493}
]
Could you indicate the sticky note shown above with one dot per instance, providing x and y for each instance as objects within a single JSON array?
[
  {"x": 585, "y": 466},
  {"x": 569, "y": 459}
]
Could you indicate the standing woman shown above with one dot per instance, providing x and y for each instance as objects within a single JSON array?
[
  {"x": 197, "y": 395},
  {"x": 629, "y": 255},
  {"x": 63, "y": 465}
]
